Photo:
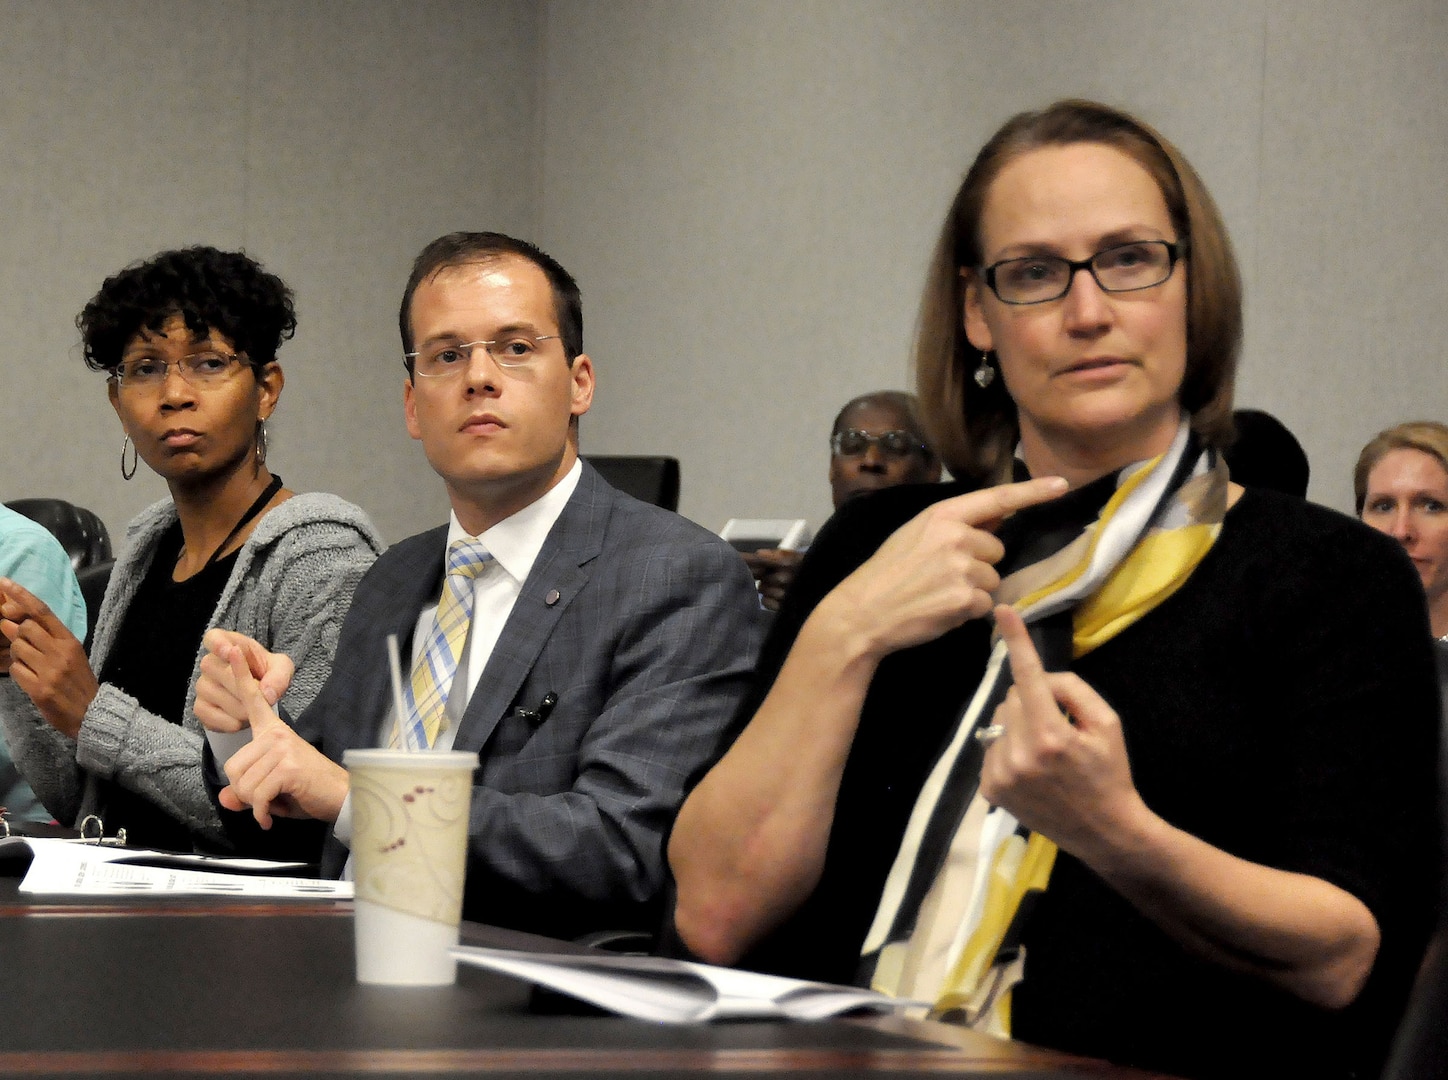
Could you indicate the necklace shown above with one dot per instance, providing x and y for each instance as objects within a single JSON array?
[{"x": 251, "y": 512}]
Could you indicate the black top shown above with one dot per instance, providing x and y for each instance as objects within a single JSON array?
[
  {"x": 153, "y": 660},
  {"x": 1282, "y": 705},
  {"x": 1441, "y": 651}
]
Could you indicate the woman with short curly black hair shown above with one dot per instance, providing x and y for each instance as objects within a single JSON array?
[{"x": 188, "y": 340}]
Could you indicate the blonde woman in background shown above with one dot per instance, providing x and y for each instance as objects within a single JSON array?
[{"x": 1401, "y": 484}]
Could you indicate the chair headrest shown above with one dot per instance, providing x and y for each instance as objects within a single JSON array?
[{"x": 80, "y": 531}]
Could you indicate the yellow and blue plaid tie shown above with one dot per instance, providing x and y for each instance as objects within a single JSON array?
[{"x": 432, "y": 676}]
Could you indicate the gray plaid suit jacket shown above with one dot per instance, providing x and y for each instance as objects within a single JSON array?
[{"x": 645, "y": 627}]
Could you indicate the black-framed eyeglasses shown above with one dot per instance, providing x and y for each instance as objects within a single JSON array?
[
  {"x": 202, "y": 370},
  {"x": 852, "y": 442},
  {"x": 442, "y": 361},
  {"x": 1120, "y": 268}
]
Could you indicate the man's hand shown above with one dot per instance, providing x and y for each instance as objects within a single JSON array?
[
  {"x": 219, "y": 703},
  {"x": 774, "y": 570},
  {"x": 45, "y": 659},
  {"x": 278, "y": 773}
]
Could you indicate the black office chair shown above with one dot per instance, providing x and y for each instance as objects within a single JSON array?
[
  {"x": 652, "y": 479},
  {"x": 80, "y": 532},
  {"x": 93, "y": 581},
  {"x": 86, "y": 541},
  {"x": 1420, "y": 1047},
  {"x": 1265, "y": 454}
]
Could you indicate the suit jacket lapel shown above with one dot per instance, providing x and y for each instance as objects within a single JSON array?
[
  {"x": 558, "y": 575},
  {"x": 410, "y": 583}
]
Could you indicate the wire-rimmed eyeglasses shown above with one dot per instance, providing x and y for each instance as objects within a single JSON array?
[
  {"x": 445, "y": 360},
  {"x": 1036, "y": 279},
  {"x": 202, "y": 370},
  {"x": 852, "y": 442}
]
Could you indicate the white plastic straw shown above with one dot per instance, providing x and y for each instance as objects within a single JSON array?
[{"x": 405, "y": 736}]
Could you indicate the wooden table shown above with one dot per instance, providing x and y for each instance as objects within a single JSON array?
[{"x": 206, "y": 987}]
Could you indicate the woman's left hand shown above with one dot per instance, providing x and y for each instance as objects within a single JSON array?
[
  {"x": 1060, "y": 766},
  {"x": 1066, "y": 776},
  {"x": 46, "y": 660}
]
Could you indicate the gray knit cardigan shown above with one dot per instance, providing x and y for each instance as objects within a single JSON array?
[{"x": 290, "y": 589}]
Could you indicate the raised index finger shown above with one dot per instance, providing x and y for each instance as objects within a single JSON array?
[
  {"x": 1027, "y": 671},
  {"x": 259, "y": 713},
  {"x": 988, "y": 507}
]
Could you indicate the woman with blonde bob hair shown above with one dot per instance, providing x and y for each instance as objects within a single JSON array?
[
  {"x": 1425, "y": 436},
  {"x": 1401, "y": 488},
  {"x": 1094, "y": 759}
]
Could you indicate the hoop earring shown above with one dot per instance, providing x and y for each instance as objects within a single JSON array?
[
  {"x": 261, "y": 442},
  {"x": 985, "y": 374},
  {"x": 126, "y": 444}
]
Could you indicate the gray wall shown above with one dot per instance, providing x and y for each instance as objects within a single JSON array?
[
  {"x": 329, "y": 139},
  {"x": 747, "y": 191}
]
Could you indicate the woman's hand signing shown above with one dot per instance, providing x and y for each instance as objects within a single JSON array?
[
  {"x": 937, "y": 570},
  {"x": 46, "y": 660},
  {"x": 1060, "y": 766}
]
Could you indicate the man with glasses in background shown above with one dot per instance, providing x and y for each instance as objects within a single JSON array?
[
  {"x": 876, "y": 443},
  {"x": 590, "y": 646}
]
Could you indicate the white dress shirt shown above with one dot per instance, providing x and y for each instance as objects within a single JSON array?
[{"x": 514, "y": 544}]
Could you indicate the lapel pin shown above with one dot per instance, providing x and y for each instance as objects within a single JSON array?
[{"x": 552, "y": 597}]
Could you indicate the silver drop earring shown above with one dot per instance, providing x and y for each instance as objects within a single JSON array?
[
  {"x": 985, "y": 373},
  {"x": 126, "y": 444}
]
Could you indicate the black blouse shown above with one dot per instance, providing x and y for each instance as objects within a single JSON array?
[
  {"x": 153, "y": 660},
  {"x": 1282, "y": 705}
]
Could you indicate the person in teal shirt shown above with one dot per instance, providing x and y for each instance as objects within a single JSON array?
[{"x": 32, "y": 557}]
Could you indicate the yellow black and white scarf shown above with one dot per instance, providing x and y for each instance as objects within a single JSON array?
[{"x": 946, "y": 927}]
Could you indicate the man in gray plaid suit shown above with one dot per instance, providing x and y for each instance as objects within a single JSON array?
[{"x": 609, "y": 640}]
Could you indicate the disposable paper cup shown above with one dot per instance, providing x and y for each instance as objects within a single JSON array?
[{"x": 409, "y": 846}]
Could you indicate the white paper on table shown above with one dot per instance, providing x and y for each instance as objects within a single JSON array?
[
  {"x": 19, "y": 847},
  {"x": 678, "y": 991},
  {"x": 108, "y": 852},
  {"x": 62, "y": 867}
]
